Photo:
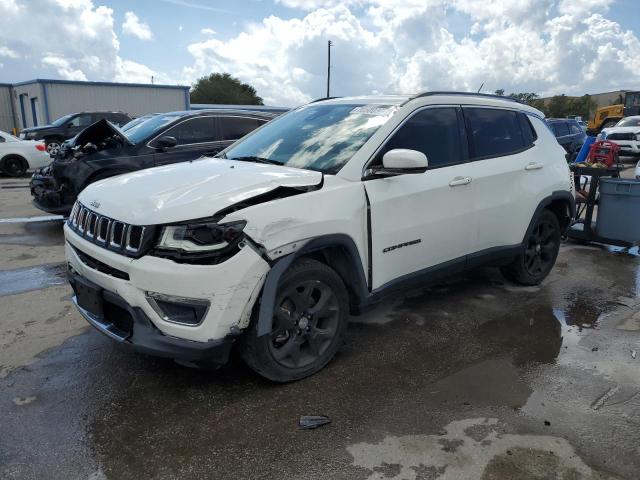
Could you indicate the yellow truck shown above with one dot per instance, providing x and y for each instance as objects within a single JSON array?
[{"x": 610, "y": 115}]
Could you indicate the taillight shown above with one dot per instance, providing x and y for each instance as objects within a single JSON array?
[{"x": 40, "y": 146}]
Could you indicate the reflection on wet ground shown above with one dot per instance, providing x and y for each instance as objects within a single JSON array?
[
  {"x": 32, "y": 278},
  {"x": 473, "y": 347}
]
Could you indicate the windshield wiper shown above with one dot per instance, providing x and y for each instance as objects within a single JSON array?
[{"x": 255, "y": 159}]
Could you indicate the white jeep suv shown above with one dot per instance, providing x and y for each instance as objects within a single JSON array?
[{"x": 319, "y": 213}]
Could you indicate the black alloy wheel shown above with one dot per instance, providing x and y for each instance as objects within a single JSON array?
[{"x": 306, "y": 320}]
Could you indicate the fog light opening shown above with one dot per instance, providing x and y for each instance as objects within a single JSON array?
[{"x": 181, "y": 310}]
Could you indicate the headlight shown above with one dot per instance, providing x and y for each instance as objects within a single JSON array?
[{"x": 200, "y": 238}]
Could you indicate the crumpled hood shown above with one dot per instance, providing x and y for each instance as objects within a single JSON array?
[{"x": 189, "y": 190}]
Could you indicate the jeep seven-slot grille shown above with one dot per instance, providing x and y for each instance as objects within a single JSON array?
[{"x": 108, "y": 233}]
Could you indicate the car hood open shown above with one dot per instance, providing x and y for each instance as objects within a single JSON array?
[{"x": 192, "y": 190}]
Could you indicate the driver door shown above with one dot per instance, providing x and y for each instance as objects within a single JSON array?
[
  {"x": 425, "y": 220},
  {"x": 196, "y": 137}
]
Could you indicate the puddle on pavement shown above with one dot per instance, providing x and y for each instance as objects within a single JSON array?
[
  {"x": 35, "y": 234},
  {"x": 32, "y": 278}
]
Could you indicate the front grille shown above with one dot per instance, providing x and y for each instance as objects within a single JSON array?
[
  {"x": 621, "y": 136},
  {"x": 108, "y": 233}
]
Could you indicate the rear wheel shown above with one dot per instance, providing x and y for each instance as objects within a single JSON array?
[
  {"x": 540, "y": 253},
  {"x": 14, "y": 165},
  {"x": 308, "y": 324}
]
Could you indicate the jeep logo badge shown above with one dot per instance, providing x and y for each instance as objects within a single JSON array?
[{"x": 95, "y": 204}]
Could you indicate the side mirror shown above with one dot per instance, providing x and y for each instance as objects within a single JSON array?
[
  {"x": 166, "y": 142},
  {"x": 401, "y": 161}
]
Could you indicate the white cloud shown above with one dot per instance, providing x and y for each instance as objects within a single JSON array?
[
  {"x": 64, "y": 68},
  {"x": 134, "y": 27},
  {"x": 83, "y": 46},
  {"x": 207, "y": 31},
  {"x": 7, "y": 52},
  {"x": 404, "y": 46}
]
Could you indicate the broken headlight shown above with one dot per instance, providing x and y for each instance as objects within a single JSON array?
[{"x": 200, "y": 242}]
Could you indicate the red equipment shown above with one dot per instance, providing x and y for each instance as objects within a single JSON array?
[{"x": 604, "y": 152}]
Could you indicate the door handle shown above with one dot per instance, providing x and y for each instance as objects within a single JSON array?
[
  {"x": 456, "y": 182},
  {"x": 533, "y": 166}
]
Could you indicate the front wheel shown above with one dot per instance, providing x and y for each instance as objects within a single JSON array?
[
  {"x": 541, "y": 250},
  {"x": 14, "y": 166},
  {"x": 308, "y": 324}
]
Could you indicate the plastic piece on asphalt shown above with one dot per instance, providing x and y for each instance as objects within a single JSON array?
[{"x": 308, "y": 422}]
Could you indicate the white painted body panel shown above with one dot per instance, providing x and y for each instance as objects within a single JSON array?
[{"x": 25, "y": 149}]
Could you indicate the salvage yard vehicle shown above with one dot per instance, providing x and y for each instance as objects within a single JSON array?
[
  {"x": 102, "y": 150},
  {"x": 319, "y": 214},
  {"x": 625, "y": 133},
  {"x": 17, "y": 156},
  {"x": 69, "y": 126},
  {"x": 569, "y": 134},
  {"x": 608, "y": 116}
]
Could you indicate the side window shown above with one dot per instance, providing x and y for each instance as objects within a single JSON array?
[
  {"x": 194, "y": 130},
  {"x": 1, "y": 139},
  {"x": 83, "y": 120},
  {"x": 493, "y": 132},
  {"x": 528, "y": 132},
  {"x": 434, "y": 132},
  {"x": 574, "y": 129},
  {"x": 562, "y": 129},
  {"x": 234, "y": 128}
]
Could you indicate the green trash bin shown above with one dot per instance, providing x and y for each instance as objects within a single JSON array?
[{"x": 619, "y": 209}]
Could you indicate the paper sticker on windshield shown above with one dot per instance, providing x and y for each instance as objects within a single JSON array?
[{"x": 373, "y": 109}]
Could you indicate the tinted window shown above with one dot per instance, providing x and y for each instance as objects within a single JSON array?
[
  {"x": 434, "y": 132},
  {"x": 528, "y": 132},
  {"x": 234, "y": 128},
  {"x": 82, "y": 121},
  {"x": 574, "y": 129},
  {"x": 62, "y": 120},
  {"x": 561, "y": 129},
  {"x": 1, "y": 139},
  {"x": 194, "y": 130},
  {"x": 493, "y": 132}
]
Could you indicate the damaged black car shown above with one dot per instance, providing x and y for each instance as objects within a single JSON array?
[{"x": 103, "y": 150}]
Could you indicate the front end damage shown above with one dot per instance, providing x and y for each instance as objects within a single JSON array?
[{"x": 54, "y": 188}]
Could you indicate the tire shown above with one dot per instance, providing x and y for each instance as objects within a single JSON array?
[
  {"x": 53, "y": 145},
  {"x": 541, "y": 250},
  {"x": 309, "y": 324},
  {"x": 14, "y": 165}
]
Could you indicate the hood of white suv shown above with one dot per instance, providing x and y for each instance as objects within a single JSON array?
[
  {"x": 190, "y": 190},
  {"x": 610, "y": 130}
]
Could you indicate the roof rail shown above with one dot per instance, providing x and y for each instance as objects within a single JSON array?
[
  {"x": 323, "y": 98},
  {"x": 467, "y": 94}
]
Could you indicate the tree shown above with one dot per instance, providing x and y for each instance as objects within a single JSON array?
[
  {"x": 222, "y": 88},
  {"x": 499, "y": 92}
]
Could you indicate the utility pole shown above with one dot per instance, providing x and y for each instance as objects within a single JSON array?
[{"x": 329, "y": 45}]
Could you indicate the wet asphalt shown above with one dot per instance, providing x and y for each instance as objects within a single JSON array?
[{"x": 474, "y": 378}]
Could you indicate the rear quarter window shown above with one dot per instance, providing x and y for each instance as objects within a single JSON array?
[
  {"x": 494, "y": 132},
  {"x": 234, "y": 128}
]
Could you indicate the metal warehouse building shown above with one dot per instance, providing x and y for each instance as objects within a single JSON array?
[{"x": 40, "y": 102}]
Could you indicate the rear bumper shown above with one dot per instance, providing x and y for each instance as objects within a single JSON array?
[{"x": 130, "y": 326}]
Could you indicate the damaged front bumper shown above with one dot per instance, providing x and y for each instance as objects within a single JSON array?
[{"x": 48, "y": 194}]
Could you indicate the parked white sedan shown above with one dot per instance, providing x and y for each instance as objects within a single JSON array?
[{"x": 17, "y": 156}]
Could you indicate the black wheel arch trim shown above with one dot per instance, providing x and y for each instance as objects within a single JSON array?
[
  {"x": 357, "y": 283},
  {"x": 559, "y": 195}
]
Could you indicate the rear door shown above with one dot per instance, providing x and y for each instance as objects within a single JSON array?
[
  {"x": 506, "y": 175},
  {"x": 422, "y": 220},
  {"x": 234, "y": 127},
  {"x": 196, "y": 137}
]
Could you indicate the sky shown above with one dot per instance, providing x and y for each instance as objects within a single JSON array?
[{"x": 279, "y": 46}]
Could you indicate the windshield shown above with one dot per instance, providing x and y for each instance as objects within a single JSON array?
[
  {"x": 629, "y": 122},
  {"x": 62, "y": 120},
  {"x": 143, "y": 130},
  {"x": 315, "y": 137},
  {"x": 135, "y": 122}
]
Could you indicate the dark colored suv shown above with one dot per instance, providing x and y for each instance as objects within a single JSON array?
[
  {"x": 569, "y": 134},
  {"x": 102, "y": 150},
  {"x": 69, "y": 126}
]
